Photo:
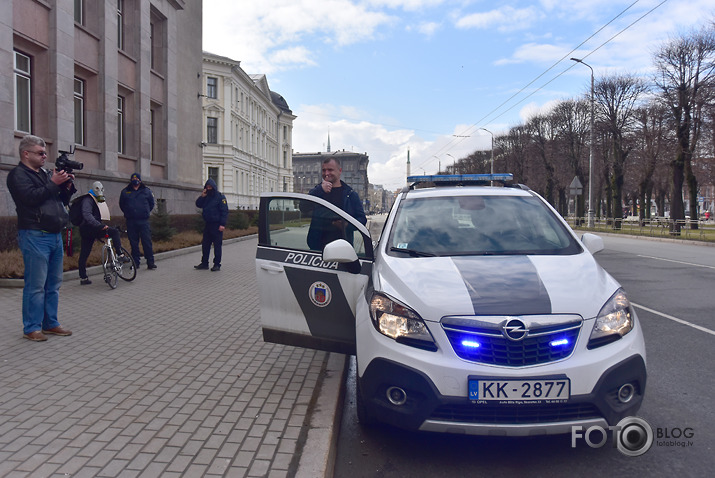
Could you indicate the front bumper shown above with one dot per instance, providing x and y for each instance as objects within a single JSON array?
[{"x": 426, "y": 409}]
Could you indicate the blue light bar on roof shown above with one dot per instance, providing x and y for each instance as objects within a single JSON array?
[{"x": 455, "y": 178}]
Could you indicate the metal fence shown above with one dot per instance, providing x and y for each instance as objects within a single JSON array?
[{"x": 692, "y": 229}]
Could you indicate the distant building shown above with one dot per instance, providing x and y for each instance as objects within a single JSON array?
[
  {"x": 117, "y": 80},
  {"x": 307, "y": 171},
  {"x": 380, "y": 199},
  {"x": 248, "y": 132}
]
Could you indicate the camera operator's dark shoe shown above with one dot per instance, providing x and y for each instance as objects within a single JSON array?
[
  {"x": 35, "y": 336},
  {"x": 85, "y": 281},
  {"x": 151, "y": 266},
  {"x": 215, "y": 268},
  {"x": 59, "y": 330},
  {"x": 202, "y": 267}
]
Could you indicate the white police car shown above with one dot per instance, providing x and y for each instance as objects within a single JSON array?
[{"x": 478, "y": 311}]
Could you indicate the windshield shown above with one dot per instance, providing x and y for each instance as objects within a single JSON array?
[{"x": 478, "y": 225}]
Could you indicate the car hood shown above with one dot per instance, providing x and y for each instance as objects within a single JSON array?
[{"x": 496, "y": 285}]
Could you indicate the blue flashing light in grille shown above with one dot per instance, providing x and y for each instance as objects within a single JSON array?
[
  {"x": 557, "y": 343},
  {"x": 470, "y": 344},
  {"x": 451, "y": 178}
]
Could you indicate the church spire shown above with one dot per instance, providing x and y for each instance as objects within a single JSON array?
[{"x": 328, "y": 141}]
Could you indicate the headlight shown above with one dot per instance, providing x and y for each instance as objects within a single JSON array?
[
  {"x": 400, "y": 323},
  {"x": 613, "y": 321}
]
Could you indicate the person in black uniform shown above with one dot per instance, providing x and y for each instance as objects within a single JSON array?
[
  {"x": 215, "y": 214},
  {"x": 136, "y": 202}
]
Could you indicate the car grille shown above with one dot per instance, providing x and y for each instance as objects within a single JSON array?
[
  {"x": 516, "y": 414},
  {"x": 495, "y": 349}
]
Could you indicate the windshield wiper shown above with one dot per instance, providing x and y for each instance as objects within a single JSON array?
[{"x": 413, "y": 252}]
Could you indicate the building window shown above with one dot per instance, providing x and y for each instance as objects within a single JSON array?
[
  {"x": 213, "y": 174},
  {"x": 212, "y": 130},
  {"x": 23, "y": 83},
  {"x": 121, "y": 113},
  {"x": 79, "y": 11},
  {"x": 211, "y": 87},
  {"x": 120, "y": 24},
  {"x": 157, "y": 34},
  {"x": 79, "y": 88}
]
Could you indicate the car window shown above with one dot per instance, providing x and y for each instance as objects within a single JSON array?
[
  {"x": 472, "y": 225},
  {"x": 304, "y": 225}
]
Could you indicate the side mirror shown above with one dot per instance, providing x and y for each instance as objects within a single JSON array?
[
  {"x": 592, "y": 242},
  {"x": 339, "y": 250}
]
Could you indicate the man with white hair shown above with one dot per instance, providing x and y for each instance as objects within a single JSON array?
[{"x": 94, "y": 211}]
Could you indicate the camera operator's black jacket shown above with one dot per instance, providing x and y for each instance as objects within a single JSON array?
[{"x": 40, "y": 203}]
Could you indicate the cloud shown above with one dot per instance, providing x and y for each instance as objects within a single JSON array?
[
  {"x": 256, "y": 32},
  {"x": 504, "y": 19}
]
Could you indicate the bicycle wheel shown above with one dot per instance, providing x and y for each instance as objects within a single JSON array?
[
  {"x": 110, "y": 274},
  {"x": 127, "y": 270}
]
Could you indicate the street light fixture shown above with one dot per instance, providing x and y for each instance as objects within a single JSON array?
[
  {"x": 492, "y": 135},
  {"x": 454, "y": 165},
  {"x": 590, "y": 153}
]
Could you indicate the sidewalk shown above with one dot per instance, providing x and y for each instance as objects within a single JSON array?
[{"x": 167, "y": 375}]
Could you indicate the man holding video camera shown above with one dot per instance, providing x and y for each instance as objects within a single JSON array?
[{"x": 40, "y": 198}]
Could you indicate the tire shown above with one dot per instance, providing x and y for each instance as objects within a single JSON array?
[
  {"x": 365, "y": 416},
  {"x": 127, "y": 270},
  {"x": 110, "y": 274}
]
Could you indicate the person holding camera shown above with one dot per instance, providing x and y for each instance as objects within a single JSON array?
[
  {"x": 94, "y": 211},
  {"x": 136, "y": 202},
  {"x": 40, "y": 198}
]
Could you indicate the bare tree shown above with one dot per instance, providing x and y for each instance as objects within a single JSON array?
[
  {"x": 685, "y": 69},
  {"x": 617, "y": 99}
]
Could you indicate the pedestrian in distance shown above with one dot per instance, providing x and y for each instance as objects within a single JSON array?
[
  {"x": 40, "y": 197},
  {"x": 324, "y": 227},
  {"x": 215, "y": 214},
  {"x": 136, "y": 202},
  {"x": 94, "y": 211}
]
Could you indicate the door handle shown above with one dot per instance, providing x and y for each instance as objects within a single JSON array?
[{"x": 272, "y": 268}]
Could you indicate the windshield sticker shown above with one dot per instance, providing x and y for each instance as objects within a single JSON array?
[{"x": 320, "y": 294}]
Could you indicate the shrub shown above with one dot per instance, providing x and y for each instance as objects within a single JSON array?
[
  {"x": 237, "y": 220},
  {"x": 160, "y": 222}
]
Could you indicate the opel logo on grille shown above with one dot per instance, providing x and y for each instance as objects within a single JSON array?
[{"x": 515, "y": 329}]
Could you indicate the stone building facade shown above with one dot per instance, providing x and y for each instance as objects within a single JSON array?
[
  {"x": 118, "y": 81},
  {"x": 248, "y": 132}
]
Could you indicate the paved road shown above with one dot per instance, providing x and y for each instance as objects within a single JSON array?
[{"x": 167, "y": 375}]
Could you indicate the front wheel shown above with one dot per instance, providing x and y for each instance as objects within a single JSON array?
[
  {"x": 127, "y": 270},
  {"x": 110, "y": 274}
]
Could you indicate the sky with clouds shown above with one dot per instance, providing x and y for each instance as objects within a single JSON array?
[{"x": 386, "y": 76}]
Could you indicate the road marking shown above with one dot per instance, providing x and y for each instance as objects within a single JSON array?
[
  {"x": 677, "y": 262},
  {"x": 675, "y": 319}
]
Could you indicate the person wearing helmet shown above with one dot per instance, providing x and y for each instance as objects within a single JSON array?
[{"x": 94, "y": 211}]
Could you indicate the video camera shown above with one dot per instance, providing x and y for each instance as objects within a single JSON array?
[{"x": 66, "y": 164}]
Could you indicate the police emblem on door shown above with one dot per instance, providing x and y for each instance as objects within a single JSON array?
[{"x": 320, "y": 294}]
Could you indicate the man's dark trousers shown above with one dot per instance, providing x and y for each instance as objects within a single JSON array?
[
  {"x": 138, "y": 229},
  {"x": 211, "y": 236}
]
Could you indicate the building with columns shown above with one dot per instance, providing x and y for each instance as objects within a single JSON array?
[
  {"x": 118, "y": 81},
  {"x": 247, "y": 137}
]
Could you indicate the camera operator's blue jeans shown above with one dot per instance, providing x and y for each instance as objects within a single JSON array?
[{"x": 42, "y": 253}]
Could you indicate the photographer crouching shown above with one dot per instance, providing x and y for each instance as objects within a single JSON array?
[{"x": 40, "y": 198}]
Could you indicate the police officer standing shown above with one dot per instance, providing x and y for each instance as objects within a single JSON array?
[
  {"x": 215, "y": 214},
  {"x": 136, "y": 202}
]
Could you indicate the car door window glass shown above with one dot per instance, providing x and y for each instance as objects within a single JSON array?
[{"x": 304, "y": 225}]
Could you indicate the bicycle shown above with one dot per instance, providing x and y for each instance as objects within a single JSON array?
[{"x": 113, "y": 267}]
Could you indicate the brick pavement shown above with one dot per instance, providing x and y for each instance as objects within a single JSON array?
[{"x": 167, "y": 375}]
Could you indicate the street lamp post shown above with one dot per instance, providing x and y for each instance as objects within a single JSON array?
[
  {"x": 454, "y": 165},
  {"x": 590, "y": 152},
  {"x": 492, "y": 135}
]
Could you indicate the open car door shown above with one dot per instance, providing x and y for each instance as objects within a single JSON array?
[{"x": 306, "y": 300}]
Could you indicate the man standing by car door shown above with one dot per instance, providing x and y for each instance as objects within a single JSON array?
[
  {"x": 337, "y": 192},
  {"x": 136, "y": 202}
]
